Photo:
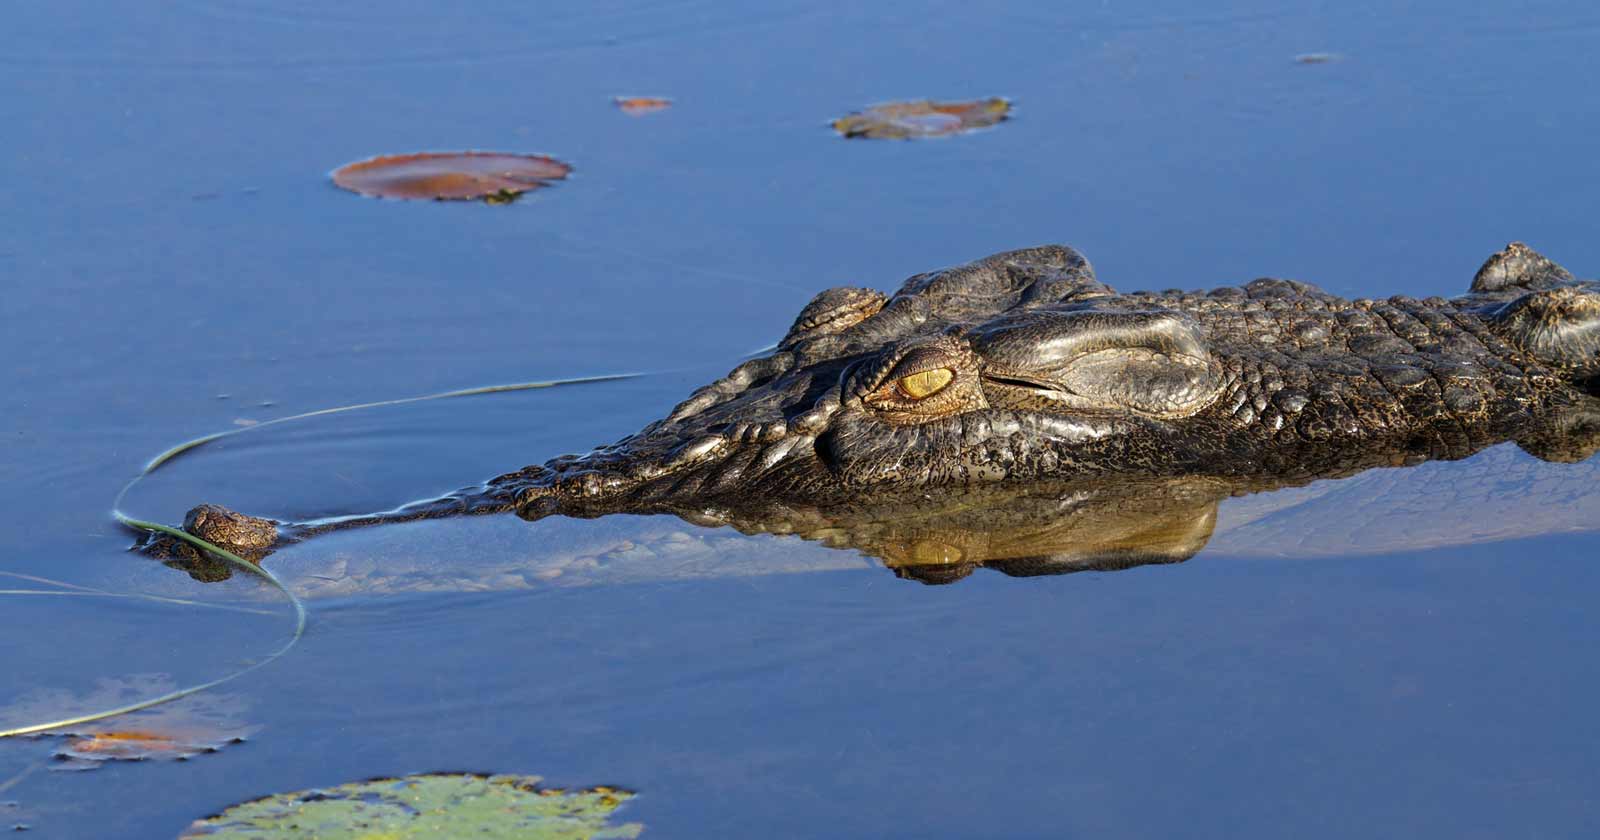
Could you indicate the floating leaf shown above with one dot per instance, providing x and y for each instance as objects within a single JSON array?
[
  {"x": 637, "y": 106},
  {"x": 175, "y": 731},
  {"x": 91, "y": 750},
  {"x": 923, "y": 118},
  {"x": 492, "y": 176},
  {"x": 424, "y": 806}
]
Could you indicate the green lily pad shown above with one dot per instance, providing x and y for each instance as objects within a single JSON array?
[
  {"x": 423, "y": 806},
  {"x": 922, "y": 118}
]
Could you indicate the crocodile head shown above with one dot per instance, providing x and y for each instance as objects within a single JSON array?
[{"x": 1024, "y": 367}]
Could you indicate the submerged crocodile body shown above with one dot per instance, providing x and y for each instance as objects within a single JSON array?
[{"x": 1023, "y": 376}]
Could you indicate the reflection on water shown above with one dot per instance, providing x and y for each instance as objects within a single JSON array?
[
  {"x": 939, "y": 537},
  {"x": 1423, "y": 693},
  {"x": 312, "y": 36}
]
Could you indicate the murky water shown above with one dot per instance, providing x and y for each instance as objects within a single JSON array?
[{"x": 175, "y": 263}]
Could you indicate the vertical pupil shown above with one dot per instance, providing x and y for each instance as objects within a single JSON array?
[{"x": 925, "y": 384}]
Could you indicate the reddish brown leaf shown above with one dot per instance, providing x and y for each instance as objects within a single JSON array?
[
  {"x": 493, "y": 176},
  {"x": 141, "y": 746},
  {"x": 184, "y": 728}
]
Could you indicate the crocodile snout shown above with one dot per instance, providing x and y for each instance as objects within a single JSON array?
[{"x": 230, "y": 529}]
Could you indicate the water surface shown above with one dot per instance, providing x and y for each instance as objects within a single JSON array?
[{"x": 176, "y": 263}]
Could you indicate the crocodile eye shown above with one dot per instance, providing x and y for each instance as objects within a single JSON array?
[
  {"x": 920, "y": 385},
  {"x": 925, "y": 384}
]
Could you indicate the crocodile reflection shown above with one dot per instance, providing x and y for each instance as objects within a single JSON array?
[
  {"x": 1101, "y": 525},
  {"x": 1108, "y": 525},
  {"x": 1040, "y": 531}
]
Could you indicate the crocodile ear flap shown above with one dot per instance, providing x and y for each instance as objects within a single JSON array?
[
  {"x": 1155, "y": 362},
  {"x": 833, "y": 311},
  {"x": 1144, "y": 380},
  {"x": 1559, "y": 326},
  {"x": 1517, "y": 266}
]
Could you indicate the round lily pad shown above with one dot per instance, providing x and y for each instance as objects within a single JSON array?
[
  {"x": 426, "y": 806},
  {"x": 922, "y": 118},
  {"x": 493, "y": 176}
]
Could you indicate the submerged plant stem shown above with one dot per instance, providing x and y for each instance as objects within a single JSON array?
[
  {"x": 300, "y": 616},
  {"x": 186, "y": 446},
  {"x": 234, "y": 559},
  {"x": 26, "y": 772},
  {"x": 137, "y": 596}
]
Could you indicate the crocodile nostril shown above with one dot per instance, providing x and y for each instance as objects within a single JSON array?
[
  {"x": 536, "y": 507},
  {"x": 229, "y": 529}
]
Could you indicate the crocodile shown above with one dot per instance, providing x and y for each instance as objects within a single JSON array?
[{"x": 1023, "y": 376}]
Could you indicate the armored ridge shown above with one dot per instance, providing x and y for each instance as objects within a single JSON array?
[{"x": 1023, "y": 367}]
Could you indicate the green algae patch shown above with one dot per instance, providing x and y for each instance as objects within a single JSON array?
[
  {"x": 922, "y": 118},
  {"x": 424, "y": 806}
]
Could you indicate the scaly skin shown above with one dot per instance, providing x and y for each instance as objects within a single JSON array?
[
  {"x": 1276, "y": 379},
  {"x": 1024, "y": 370}
]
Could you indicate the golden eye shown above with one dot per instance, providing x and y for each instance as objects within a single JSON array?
[{"x": 922, "y": 385}]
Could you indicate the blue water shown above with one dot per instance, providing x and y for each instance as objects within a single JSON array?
[{"x": 175, "y": 261}]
